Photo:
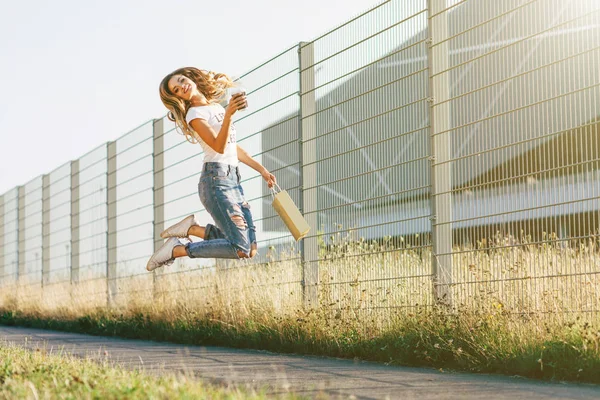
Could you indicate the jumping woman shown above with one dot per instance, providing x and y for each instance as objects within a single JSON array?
[{"x": 191, "y": 96}]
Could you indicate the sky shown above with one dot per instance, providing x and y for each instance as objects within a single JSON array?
[{"x": 76, "y": 74}]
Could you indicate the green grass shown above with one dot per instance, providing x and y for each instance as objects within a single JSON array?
[
  {"x": 494, "y": 342},
  {"x": 521, "y": 308},
  {"x": 37, "y": 374}
]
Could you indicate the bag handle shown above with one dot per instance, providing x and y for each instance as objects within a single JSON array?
[{"x": 273, "y": 191}]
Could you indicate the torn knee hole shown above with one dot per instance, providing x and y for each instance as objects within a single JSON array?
[{"x": 239, "y": 221}]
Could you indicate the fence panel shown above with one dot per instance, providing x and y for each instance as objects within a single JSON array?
[
  {"x": 57, "y": 236},
  {"x": 134, "y": 218},
  {"x": 93, "y": 227},
  {"x": 30, "y": 241},
  {"x": 10, "y": 239},
  {"x": 522, "y": 98},
  {"x": 366, "y": 160}
]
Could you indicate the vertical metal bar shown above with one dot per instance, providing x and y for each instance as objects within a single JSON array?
[
  {"x": 300, "y": 159},
  {"x": 159, "y": 194},
  {"x": 45, "y": 229},
  {"x": 21, "y": 266},
  {"x": 111, "y": 242},
  {"x": 75, "y": 234},
  {"x": 441, "y": 175},
  {"x": 308, "y": 173}
]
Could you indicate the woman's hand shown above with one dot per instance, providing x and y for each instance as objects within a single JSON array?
[
  {"x": 237, "y": 102},
  {"x": 269, "y": 178}
]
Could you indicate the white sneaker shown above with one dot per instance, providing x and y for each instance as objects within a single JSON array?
[
  {"x": 181, "y": 228},
  {"x": 164, "y": 255}
]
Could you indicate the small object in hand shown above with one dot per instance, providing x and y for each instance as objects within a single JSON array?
[{"x": 235, "y": 95}]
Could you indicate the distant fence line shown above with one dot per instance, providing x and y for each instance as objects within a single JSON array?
[{"x": 441, "y": 150}]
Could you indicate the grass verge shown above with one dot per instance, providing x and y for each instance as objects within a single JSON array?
[
  {"x": 523, "y": 308},
  {"x": 37, "y": 374},
  {"x": 491, "y": 342}
]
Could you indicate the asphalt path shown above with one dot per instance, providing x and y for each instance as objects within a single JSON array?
[{"x": 280, "y": 373}]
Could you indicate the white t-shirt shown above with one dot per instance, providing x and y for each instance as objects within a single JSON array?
[{"x": 214, "y": 114}]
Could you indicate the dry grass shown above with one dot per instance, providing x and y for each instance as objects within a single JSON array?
[
  {"x": 41, "y": 374},
  {"x": 515, "y": 303}
]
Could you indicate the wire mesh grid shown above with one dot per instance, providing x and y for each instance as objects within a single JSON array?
[
  {"x": 366, "y": 160},
  {"x": 440, "y": 149},
  {"x": 518, "y": 94}
]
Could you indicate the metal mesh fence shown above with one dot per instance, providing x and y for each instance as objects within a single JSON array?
[
  {"x": 131, "y": 210},
  {"x": 441, "y": 150},
  {"x": 90, "y": 254},
  {"x": 517, "y": 89},
  {"x": 57, "y": 237},
  {"x": 365, "y": 148},
  {"x": 10, "y": 238}
]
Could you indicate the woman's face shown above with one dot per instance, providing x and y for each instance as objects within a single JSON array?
[{"x": 182, "y": 87}]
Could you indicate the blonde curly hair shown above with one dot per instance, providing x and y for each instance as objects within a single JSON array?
[{"x": 213, "y": 87}]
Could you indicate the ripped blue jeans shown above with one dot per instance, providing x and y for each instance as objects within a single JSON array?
[{"x": 223, "y": 197}]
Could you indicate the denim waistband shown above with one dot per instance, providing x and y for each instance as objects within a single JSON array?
[{"x": 215, "y": 166}]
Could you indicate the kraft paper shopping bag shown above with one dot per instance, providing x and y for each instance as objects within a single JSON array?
[{"x": 289, "y": 213}]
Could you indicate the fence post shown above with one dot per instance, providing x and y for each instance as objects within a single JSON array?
[
  {"x": 112, "y": 286},
  {"x": 441, "y": 168},
  {"x": 308, "y": 174},
  {"x": 159, "y": 195},
  {"x": 21, "y": 266},
  {"x": 75, "y": 234},
  {"x": 45, "y": 229}
]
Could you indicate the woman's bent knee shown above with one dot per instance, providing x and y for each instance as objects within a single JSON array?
[
  {"x": 247, "y": 254},
  {"x": 242, "y": 254}
]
